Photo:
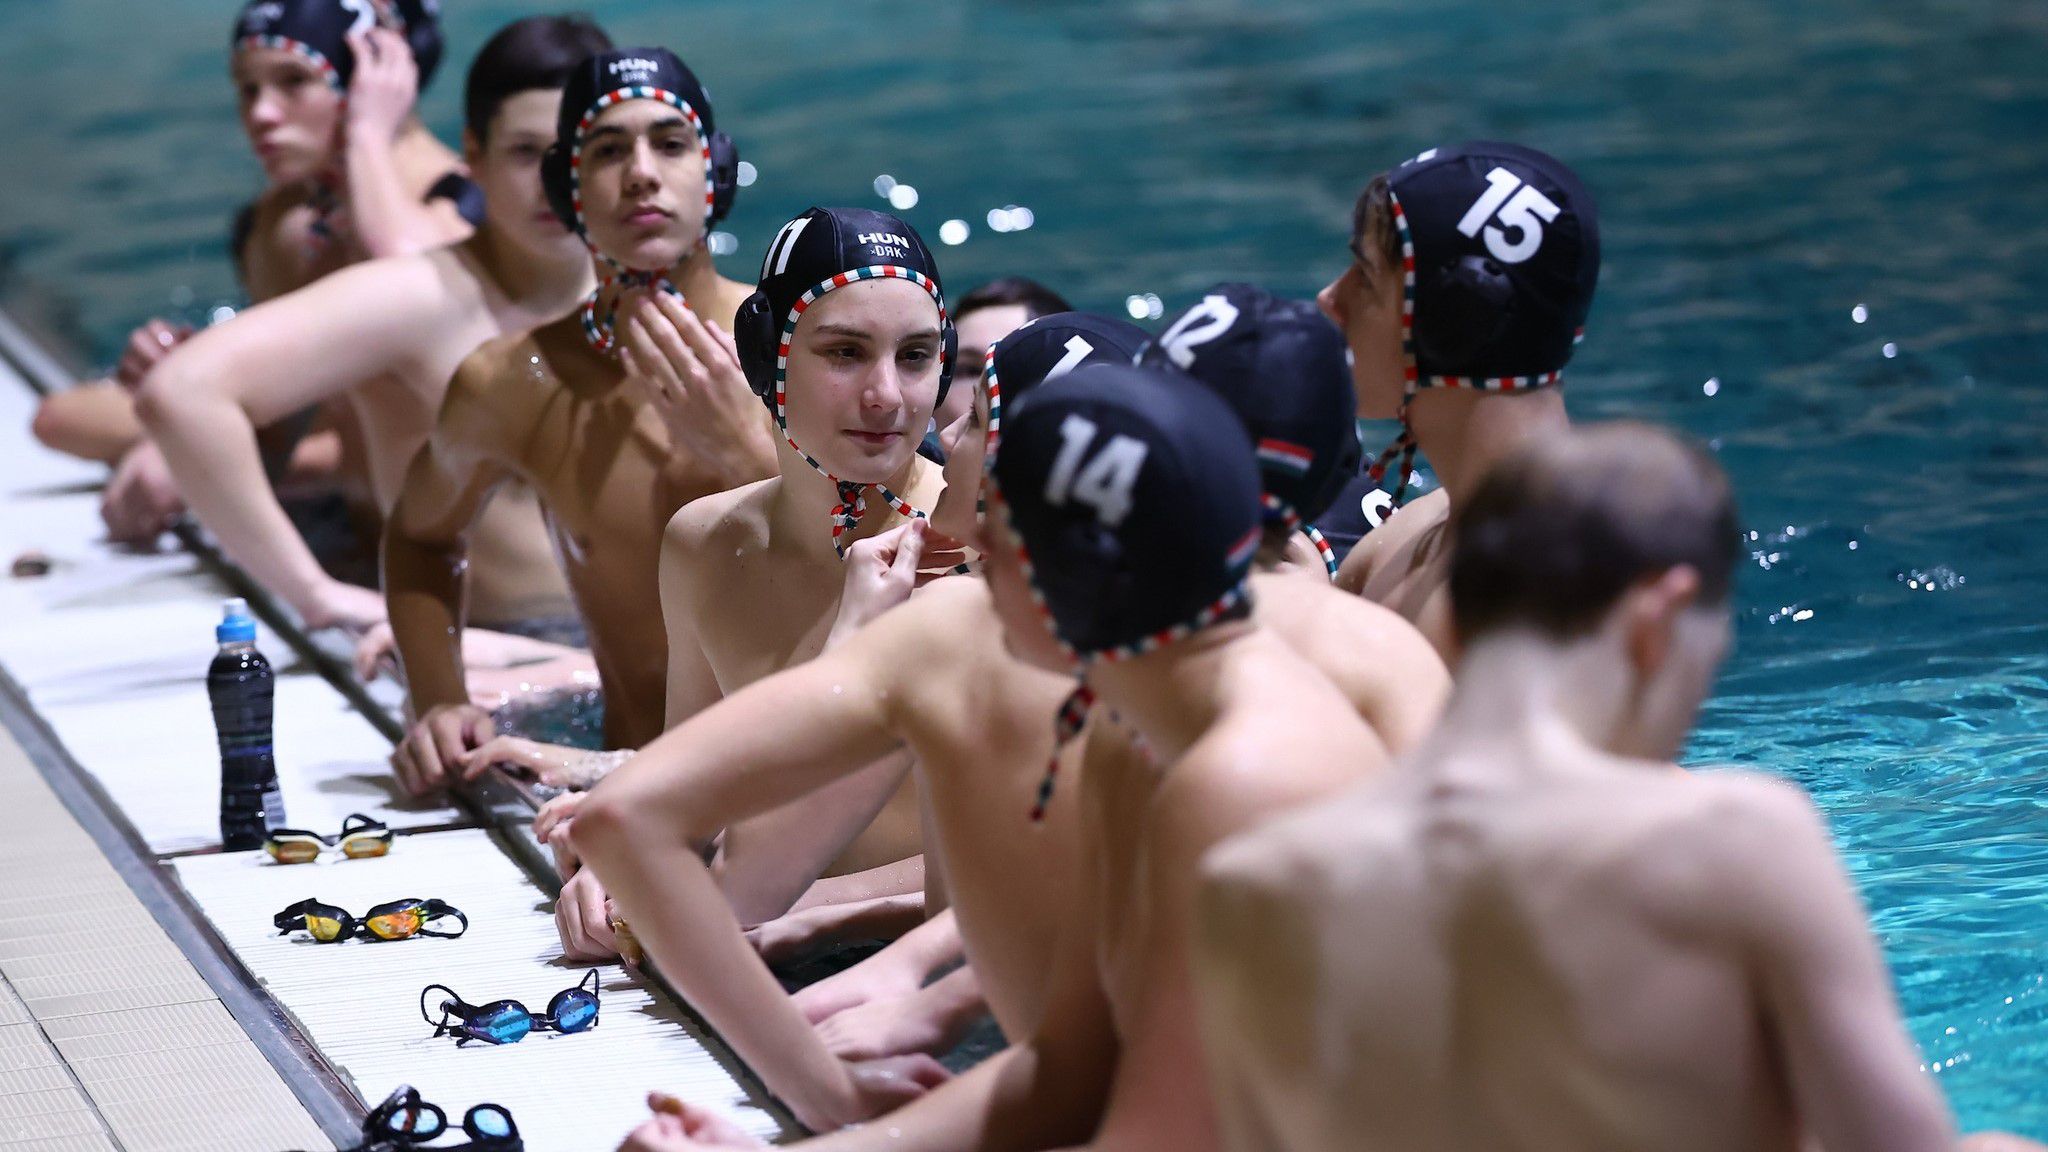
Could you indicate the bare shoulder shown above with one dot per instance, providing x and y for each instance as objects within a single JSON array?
[
  {"x": 1338, "y": 630},
  {"x": 1717, "y": 848},
  {"x": 1315, "y": 850},
  {"x": 1258, "y": 761},
  {"x": 736, "y": 518},
  {"x": 492, "y": 380},
  {"x": 725, "y": 303}
]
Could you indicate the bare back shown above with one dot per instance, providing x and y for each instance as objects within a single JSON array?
[
  {"x": 1425, "y": 966},
  {"x": 1283, "y": 737},
  {"x": 1405, "y": 565}
]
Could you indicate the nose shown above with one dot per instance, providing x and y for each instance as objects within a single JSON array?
[
  {"x": 642, "y": 174},
  {"x": 1326, "y": 300},
  {"x": 266, "y": 110},
  {"x": 883, "y": 389}
]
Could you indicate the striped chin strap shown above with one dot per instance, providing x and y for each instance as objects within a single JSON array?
[
  {"x": 1281, "y": 511},
  {"x": 853, "y": 499},
  {"x": 598, "y": 330},
  {"x": 1404, "y": 446},
  {"x": 1074, "y": 710}
]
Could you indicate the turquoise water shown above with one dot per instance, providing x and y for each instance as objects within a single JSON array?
[{"x": 1770, "y": 173}]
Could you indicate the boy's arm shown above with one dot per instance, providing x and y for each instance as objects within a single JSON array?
[
  {"x": 391, "y": 218},
  {"x": 1827, "y": 993},
  {"x": 203, "y": 404},
  {"x": 425, "y": 565},
  {"x": 640, "y": 830}
]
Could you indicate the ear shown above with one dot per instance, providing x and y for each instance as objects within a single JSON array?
[
  {"x": 472, "y": 149},
  {"x": 1650, "y": 614}
]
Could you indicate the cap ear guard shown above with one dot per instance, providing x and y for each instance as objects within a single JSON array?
[
  {"x": 723, "y": 157},
  {"x": 1472, "y": 308},
  {"x": 754, "y": 336},
  {"x": 555, "y": 183},
  {"x": 949, "y": 355}
]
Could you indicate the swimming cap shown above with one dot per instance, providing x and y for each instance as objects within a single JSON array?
[
  {"x": 822, "y": 250},
  {"x": 318, "y": 30},
  {"x": 1135, "y": 503},
  {"x": 1281, "y": 366},
  {"x": 599, "y": 82},
  {"x": 1048, "y": 348},
  {"x": 1500, "y": 254}
]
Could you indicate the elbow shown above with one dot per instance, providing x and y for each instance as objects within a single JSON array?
[
  {"x": 157, "y": 399},
  {"x": 50, "y": 428}
]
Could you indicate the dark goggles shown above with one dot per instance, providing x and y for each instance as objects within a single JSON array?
[
  {"x": 405, "y": 1121},
  {"x": 397, "y": 920},
  {"x": 509, "y": 1021},
  {"x": 360, "y": 837}
]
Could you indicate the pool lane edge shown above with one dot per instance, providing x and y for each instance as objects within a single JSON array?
[{"x": 316, "y": 1085}]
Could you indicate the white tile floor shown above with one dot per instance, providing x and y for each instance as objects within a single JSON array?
[{"x": 111, "y": 649}]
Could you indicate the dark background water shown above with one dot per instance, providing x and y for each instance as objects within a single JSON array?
[{"x": 1826, "y": 228}]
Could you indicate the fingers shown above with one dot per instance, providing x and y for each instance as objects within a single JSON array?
[
  {"x": 504, "y": 751},
  {"x": 556, "y": 813},
  {"x": 670, "y": 339},
  {"x": 909, "y": 548},
  {"x": 918, "y": 1069},
  {"x": 374, "y": 652},
  {"x": 582, "y": 919}
]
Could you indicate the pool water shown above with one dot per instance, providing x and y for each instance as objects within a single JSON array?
[{"x": 1826, "y": 229}]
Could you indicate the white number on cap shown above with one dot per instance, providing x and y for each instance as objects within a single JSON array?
[
  {"x": 1077, "y": 351},
  {"x": 777, "y": 261},
  {"x": 1525, "y": 211},
  {"x": 1202, "y": 323},
  {"x": 1105, "y": 483},
  {"x": 366, "y": 16},
  {"x": 1375, "y": 506}
]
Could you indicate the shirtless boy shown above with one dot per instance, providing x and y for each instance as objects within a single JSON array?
[
  {"x": 1538, "y": 934},
  {"x": 1472, "y": 272},
  {"x": 931, "y": 678},
  {"x": 326, "y": 97},
  {"x": 387, "y": 335},
  {"x": 1124, "y": 513},
  {"x": 638, "y": 168}
]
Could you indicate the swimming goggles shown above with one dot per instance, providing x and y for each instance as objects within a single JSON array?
[
  {"x": 360, "y": 837},
  {"x": 509, "y": 1021},
  {"x": 397, "y": 920},
  {"x": 405, "y": 1121}
]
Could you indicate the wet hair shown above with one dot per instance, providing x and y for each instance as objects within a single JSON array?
[
  {"x": 1037, "y": 299},
  {"x": 1560, "y": 530},
  {"x": 529, "y": 55},
  {"x": 1372, "y": 225}
]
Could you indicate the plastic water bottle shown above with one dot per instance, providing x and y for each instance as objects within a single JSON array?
[{"x": 241, "y": 688}]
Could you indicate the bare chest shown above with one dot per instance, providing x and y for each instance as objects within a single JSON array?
[{"x": 762, "y": 612}]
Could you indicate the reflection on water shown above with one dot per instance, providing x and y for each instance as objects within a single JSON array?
[{"x": 1825, "y": 254}]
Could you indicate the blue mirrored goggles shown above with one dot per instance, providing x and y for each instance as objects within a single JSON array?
[
  {"x": 404, "y": 1122},
  {"x": 509, "y": 1021}
]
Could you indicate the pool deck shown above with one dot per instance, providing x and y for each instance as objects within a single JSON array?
[{"x": 145, "y": 1001}]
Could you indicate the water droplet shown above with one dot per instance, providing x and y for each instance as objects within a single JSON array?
[
  {"x": 1021, "y": 218},
  {"x": 1859, "y": 314},
  {"x": 1890, "y": 350},
  {"x": 953, "y": 232},
  {"x": 998, "y": 220},
  {"x": 903, "y": 197},
  {"x": 1712, "y": 387},
  {"x": 748, "y": 174},
  {"x": 1853, "y": 545},
  {"x": 837, "y": 690},
  {"x": 1135, "y": 305}
]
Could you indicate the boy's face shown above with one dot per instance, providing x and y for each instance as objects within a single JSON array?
[
  {"x": 507, "y": 168},
  {"x": 1027, "y": 634},
  {"x": 1366, "y": 303},
  {"x": 290, "y": 113},
  {"x": 979, "y": 330},
  {"x": 863, "y": 377},
  {"x": 957, "y": 512},
  {"x": 642, "y": 182}
]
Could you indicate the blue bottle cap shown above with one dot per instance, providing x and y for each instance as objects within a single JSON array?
[{"x": 236, "y": 625}]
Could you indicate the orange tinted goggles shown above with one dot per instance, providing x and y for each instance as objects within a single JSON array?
[
  {"x": 397, "y": 920},
  {"x": 360, "y": 837}
]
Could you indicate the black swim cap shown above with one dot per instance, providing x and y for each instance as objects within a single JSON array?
[
  {"x": 1135, "y": 500},
  {"x": 1282, "y": 367},
  {"x": 1048, "y": 348},
  {"x": 824, "y": 249},
  {"x": 821, "y": 250},
  {"x": 1500, "y": 253},
  {"x": 318, "y": 30},
  {"x": 614, "y": 77}
]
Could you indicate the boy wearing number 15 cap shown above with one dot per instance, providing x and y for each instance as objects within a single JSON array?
[{"x": 1473, "y": 270}]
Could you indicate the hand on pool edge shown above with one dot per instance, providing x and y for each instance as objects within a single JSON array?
[{"x": 678, "y": 1126}]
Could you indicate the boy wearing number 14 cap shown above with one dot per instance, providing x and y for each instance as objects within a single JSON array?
[{"x": 1473, "y": 269}]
